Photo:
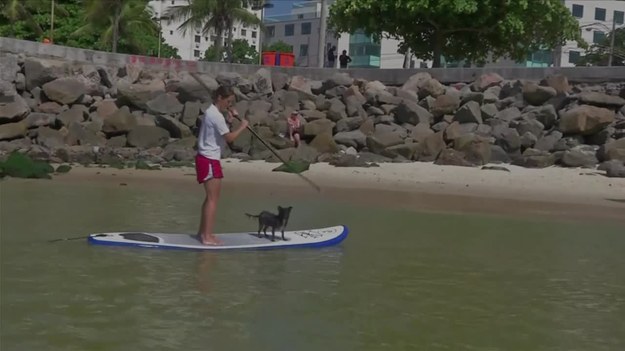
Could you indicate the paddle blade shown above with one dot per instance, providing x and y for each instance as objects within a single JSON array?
[{"x": 296, "y": 166}]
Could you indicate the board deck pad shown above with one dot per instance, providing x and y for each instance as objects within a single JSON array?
[{"x": 249, "y": 240}]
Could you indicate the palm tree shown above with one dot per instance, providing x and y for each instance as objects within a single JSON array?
[
  {"x": 216, "y": 15},
  {"x": 16, "y": 10},
  {"x": 117, "y": 19}
]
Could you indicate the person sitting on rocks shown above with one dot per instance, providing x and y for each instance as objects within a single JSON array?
[{"x": 294, "y": 126}]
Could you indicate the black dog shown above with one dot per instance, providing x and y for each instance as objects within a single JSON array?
[{"x": 267, "y": 219}]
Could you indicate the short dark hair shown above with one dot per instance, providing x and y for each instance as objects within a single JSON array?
[{"x": 223, "y": 91}]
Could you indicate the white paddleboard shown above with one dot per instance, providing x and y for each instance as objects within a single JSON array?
[{"x": 298, "y": 238}]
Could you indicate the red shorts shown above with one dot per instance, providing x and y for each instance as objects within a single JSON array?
[{"x": 207, "y": 168}]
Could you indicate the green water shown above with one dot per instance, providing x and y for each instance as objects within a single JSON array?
[{"x": 401, "y": 280}]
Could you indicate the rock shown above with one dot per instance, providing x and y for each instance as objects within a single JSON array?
[
  {"x": 165, "y": 104},
  {"x": 451, "y": 157},
  {"x": 79, "y": 134},
  {"x": 528, "y": 140},
  {"x": 305, "y": 153},
  {"x": 546, "y": 115},
  {"x": 10, "y": 131},
  {"x": 338, "y": 79},
  {"x": 495, "y": 168},
  {"x": 191, "y": 113},
  {"x": 337, "y": 110},
  {"x": 456, "y": 130},
  {"x": 65, "y": 90},
  {"x": 548, "y": 142},
  {"x": 536, "y": 94},
  {"x": 228, "y": 78},
  {"x": 138, "y": 95},
  {"x": 120, "y": 122},
  {"x": 279, "y": 80},
  {"x": 486, "y": 81},
  {"x": 317, "y": 127},
  {"x": 39, "y": 71},
  {"x": 406, "y": 150},
  {"x": 491, "y": 95},
  {"x": 489, "y": 111},
  {"x": 262, "y": 82},
  {"x": 415, "y": 81},
  {"x": 614, "y": 150},
  {"x": 313, "y": 115},
  {"x": 76, "y": 114},
  {"x": 469, "y": 113},
  {"x": 351, "y": 161},
  {"x": 175, "y": 128},
  {"x": 377, "y": 144},
  {"x": 409, "y": 112},
  {"x": 146, "y": 137},
  {"x": 585, "y": 120},
  {"x": 472, "y": 96},
  {"x": 508, "y": 138},
  {"x": 421, "y": 131},
  {"x": 301, "y": 85},
  {"x": 558, "y": 82},
  {"x": 432, "y": 146},
  {"x": 431, "y": 87},
  {"x": 446, "y": 104},
  {"x": 355, "y": 138},
  {"x": 51, "y": 107},
  {"x": 50, "y": 138},
  {"x": 476, "y": 150},
  {"x": 498, "y": 155},
  {"x": 568, "y": 143},
  {"x": 9, "y": 68},
  {"x": 601, "y": 100},
  {"x": 348, "y": 124},
  {"x": 509, "y": 114},
  {"x": 324, "y": 143},
  {"x": 189, "y": 89},
  {"x": 529, "y": 125},
  {"x": 532, "y": 158},
  {"x": 13, "y": 108},
  {"x": 36, "y": 119},
  {"x": 613, "y": 168},
  {"x": 117, "y": 141},
  {"x": 580, "y": 156}
]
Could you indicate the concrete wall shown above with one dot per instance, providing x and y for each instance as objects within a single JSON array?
[{"x": 386, "y": 76}]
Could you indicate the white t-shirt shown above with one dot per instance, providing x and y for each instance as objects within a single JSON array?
[{"x": 212, "y": 131}]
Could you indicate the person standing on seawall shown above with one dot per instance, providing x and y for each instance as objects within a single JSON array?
[
  {"x": 332, "y": 57},
  {"x": 214, "y": 132},
  {"x": 344, "y": 59}
]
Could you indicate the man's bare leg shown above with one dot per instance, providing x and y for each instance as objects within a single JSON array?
[{"x": 212, "y": 187}]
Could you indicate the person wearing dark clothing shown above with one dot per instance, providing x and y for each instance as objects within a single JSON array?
[
  {"x": 332, "y": 57},
  {"x": 344, "y": 59}
]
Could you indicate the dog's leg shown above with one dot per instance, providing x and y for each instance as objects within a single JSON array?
[
  {"x": 260, "y": 226},
  {"x": 273, "y": 233},
  {"x": 283, "y": 238},
  {"x": 265, "y": 230}
]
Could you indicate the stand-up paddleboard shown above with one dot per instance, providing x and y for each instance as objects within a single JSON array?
[{"x": 298, "y": 238}]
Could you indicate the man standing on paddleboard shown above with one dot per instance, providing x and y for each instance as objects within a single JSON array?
[{"x": 214, "y": 132}]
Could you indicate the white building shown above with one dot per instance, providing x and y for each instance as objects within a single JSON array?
[
  {"x": 596, "y": 20},
  {"x": 300, "y": 29},
  {"x": 194, "y": 44}
]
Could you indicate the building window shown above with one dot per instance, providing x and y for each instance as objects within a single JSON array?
[
  {"x": 599, "y": 14},
  {"x": 578, "y": 11},
  {"x": 574, "y": 56},
  {"x": 243, "y": 32},
  {"x": 173, "y": 2},
  {"x": 598, "y": 37},
  {"x": 618, "y": 17},
  {"x": 271, "y": 31},
  {"x": 171, "y": 32},
  {"x": 196, "y": 53},
  {"x": 306, "y": 28},
  {"x": 289, "y": 30},
  {"x": 253, "y": 34},
  {"x": 197, "y": 38},
  {"x": 303, "y": 50}
]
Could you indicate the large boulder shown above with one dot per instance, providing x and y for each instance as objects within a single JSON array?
[
  {"x": 146, "y": 137},
  {"x": 13, "y": 108},
  {"x": 585, "y": 120}
]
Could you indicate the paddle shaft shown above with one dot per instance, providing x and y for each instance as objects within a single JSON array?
[{"x": 274, "y": 152}]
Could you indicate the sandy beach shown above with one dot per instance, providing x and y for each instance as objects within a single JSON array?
[{"x": 562, "y": 193}]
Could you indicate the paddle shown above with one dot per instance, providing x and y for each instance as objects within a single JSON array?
[{"x": 275, "y": 153}]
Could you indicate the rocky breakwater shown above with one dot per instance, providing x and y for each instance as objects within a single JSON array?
[{"x": 67, "y": 112}]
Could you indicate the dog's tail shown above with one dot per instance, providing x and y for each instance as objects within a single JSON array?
[{"x": 252, "y": 216}]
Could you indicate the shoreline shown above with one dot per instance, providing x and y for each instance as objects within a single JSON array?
[{"x": 553, "y": 192}]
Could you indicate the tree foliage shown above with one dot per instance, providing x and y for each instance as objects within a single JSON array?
[
  {"x": 70, "y": 28},
  {"x": 278, "y": 46},
  {"x": 213, "y": 15},
  {"x": 599, "y": 53},
  {"x": 461, "y": 29}
]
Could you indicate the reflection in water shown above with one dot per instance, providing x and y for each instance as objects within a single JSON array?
[{"x": 401, "y": 280}]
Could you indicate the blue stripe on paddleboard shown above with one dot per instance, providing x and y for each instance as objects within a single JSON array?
[{"x": 327, "y": 243}]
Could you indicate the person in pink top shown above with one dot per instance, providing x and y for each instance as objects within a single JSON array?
[
  {"x": 214, "y": 133},
  {"x": 294, "y": 126}
]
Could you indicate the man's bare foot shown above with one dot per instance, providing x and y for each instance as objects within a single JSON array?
[{"x": 210, "y": 240}]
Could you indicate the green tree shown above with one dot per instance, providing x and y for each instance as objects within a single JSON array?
[
  {"x": 243, "y": 52},
  {"x": 278, "y": 46},
  {"x": 213, "y": 15},
  {"x": 461, "y": 29},
  {"x": 20, "y": 17},
  {"x": 599, "y": 53},
  {"x": 119, "y": 22}
]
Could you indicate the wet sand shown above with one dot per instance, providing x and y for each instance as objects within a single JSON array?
[{"x": 551, "y": 193}]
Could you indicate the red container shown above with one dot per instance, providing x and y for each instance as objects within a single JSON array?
[
  {"x": 287, "y": 59},
  {"x": 269, "y": 58},
  {"x": 274, "y": 58}
]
